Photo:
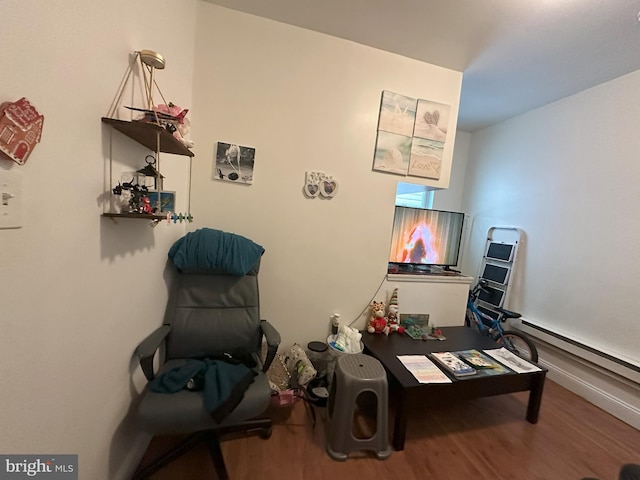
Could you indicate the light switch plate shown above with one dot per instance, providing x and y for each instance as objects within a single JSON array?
[{"x": 10, "y": 199}]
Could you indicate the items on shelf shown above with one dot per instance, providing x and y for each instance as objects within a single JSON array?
[
  {"x": 167, "y": 115},
  {"x": 161, "y": 128},
  {"x": 134, "y": 195},
  {"x": 152, "y": 177},
  {"x": 179, "y": 217}
]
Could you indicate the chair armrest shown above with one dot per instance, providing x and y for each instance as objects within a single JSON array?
[
  {"x": 147, "y": 349},
  {"x": 272, "y": 337}
]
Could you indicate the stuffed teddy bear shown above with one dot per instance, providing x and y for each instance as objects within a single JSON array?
[
  {"x": 393, "y": 322},
  {"x": 377, "y": 322}
]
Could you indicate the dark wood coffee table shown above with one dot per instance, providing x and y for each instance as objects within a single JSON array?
[{"x": 406, "y": 389}]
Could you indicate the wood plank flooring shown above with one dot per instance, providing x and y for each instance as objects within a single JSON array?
[{"x": 483, "y": 439}]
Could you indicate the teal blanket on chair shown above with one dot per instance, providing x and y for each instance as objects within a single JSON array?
[
  {"x": 224, "y": 383},
  {"x": 208, "y": 248}
]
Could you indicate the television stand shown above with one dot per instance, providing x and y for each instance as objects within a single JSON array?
[
  {"x": 399, "y": 268},
  {"x": 448, "y": 269},
  {"x": 441, "y": 295}
]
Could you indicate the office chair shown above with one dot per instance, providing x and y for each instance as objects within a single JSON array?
[
  {"x": 628, "y": 471},
  {"x": 212, "y": 321}
]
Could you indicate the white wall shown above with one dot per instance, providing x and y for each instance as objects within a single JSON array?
[
  {"x": 79, "y": 291},
  {"x": 305, "y": 101},
  {"x": 451, "y": 198},
  {"x": 567, "y": 175}
]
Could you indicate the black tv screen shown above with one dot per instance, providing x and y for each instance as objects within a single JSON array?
[{"x": 426, "y": 237}]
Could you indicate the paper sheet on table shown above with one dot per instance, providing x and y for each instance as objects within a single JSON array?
[
  {"x": 511, "y": 360},
  {"x": 423, "y": 369}
]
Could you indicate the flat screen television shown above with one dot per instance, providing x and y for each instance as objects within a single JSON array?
[{"x": 423, "y": 237}]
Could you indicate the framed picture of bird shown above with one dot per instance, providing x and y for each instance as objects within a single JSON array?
[{"x": 234, "y": 163}]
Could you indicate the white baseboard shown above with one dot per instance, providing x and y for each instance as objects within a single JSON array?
[
  {"x": 610, "y": 361},
  {"x": 596, "y": 395},
  {"x": 608, "y": 385}
]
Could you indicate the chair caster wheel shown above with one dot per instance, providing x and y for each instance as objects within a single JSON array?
[{"x": 265, "y": 433}]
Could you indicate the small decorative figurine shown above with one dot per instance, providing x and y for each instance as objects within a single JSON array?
[
  {"x": 393, "y": 321},
  {"x": 145, "y": 205},
  {"x": 377, "y": 322},
  {"x": 138, "y": 197}
]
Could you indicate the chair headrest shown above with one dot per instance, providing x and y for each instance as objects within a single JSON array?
[
  {"x": 253, "y": 271},
  {"x": 213, "y": 250}
]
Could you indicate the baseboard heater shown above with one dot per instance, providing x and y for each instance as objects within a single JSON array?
[{"x": 605, "y": 360}]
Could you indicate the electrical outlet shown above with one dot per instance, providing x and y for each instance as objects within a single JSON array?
[{"x": 10, "y": 200}]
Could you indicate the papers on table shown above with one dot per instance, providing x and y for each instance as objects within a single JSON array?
[
  {"x": 426, "y": 371},
  {"x": 511, "y": 360},
  {"x": 423, "y": 369}
]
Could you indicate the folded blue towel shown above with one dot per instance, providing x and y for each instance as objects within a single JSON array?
[{"x": 207, "y": 248}]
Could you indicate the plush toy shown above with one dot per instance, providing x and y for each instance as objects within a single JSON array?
[
  {"x": 182, "y": 126},
  {"x": 393, "y": 320},
  {"x": 377, "y": 322}
]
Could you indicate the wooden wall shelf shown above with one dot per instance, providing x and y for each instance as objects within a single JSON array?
[
  {"x": 147, "y": 134},
  {"x": 139, "y": 216},
  {"x": 156, "y": 139}
]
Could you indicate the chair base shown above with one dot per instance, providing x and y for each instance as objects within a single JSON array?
[{"x": 211, "y": 438}]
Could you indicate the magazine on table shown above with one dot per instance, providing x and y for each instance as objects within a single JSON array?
[
  {"x": 484, "y": 364},
  {"x": 423, "y": 369},
  {"x": 511, "y": 360},
  {"x": 453, "y": 364}
]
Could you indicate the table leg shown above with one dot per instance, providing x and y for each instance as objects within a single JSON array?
[
  {"x": 400, "y": 421},
  {"x": 535, "y": 398}
]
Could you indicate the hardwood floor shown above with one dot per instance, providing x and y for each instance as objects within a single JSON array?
[{"x": 484, "y": 439}]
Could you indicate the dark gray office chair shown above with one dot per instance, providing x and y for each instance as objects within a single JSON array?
[
  {"x": 212, "y": 323},
  {"x": 628, "y": 471}
]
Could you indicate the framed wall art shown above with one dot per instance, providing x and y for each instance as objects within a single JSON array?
[
  {"x": 162, "y": 202},
  {"x": 234, "y": 163},
  {"x": 426, "y": 158},
  {"x": 432, "y": 120},
  {"x": 411, "y": 136}
]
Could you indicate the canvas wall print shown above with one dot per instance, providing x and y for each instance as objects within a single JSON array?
[
  {"x": 411, "y": 136},
  {"x": 426, "y": 158},
  {"x": 431, "y": 121},
  {"x": 392, "y": 153},
  {"x": 234, "y": 163},
  {"x": 162, "y": 202},
  {"x": 397, "y": 114}
]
